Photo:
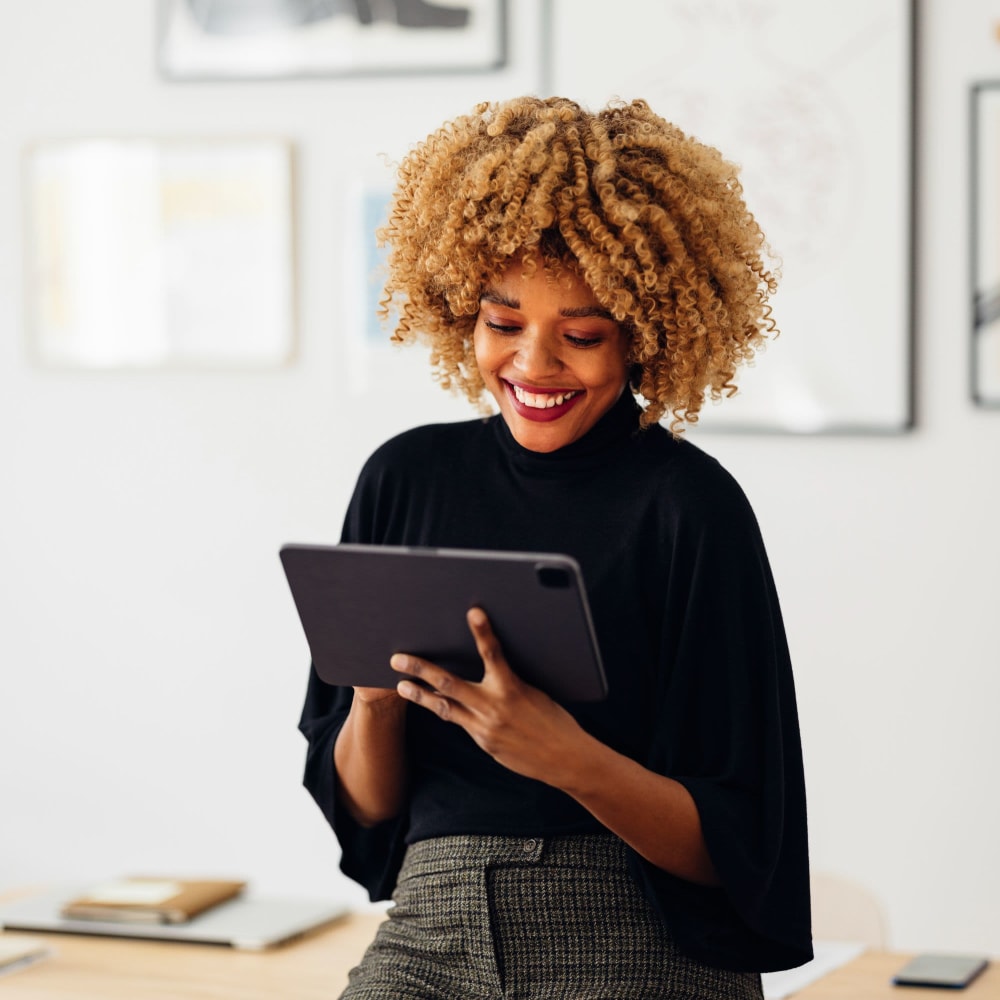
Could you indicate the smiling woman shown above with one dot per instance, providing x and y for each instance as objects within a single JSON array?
[
  {"x": 653, "y": 845},
  {"x": 552, "y": 358},
  {"x": 652, "y": 221}
]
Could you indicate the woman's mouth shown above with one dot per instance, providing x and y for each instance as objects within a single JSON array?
[
  {"x": 543, "y": 400},
  {"x": 536, "y": 404}
]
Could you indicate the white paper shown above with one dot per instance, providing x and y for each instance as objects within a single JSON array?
[
  {"x": 828, "y": 955},
  {"x": 139, "y": 893}
]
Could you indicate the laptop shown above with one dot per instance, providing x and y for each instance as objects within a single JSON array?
[{"x": 247, "y": 922}]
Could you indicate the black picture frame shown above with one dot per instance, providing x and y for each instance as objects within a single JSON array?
[{"x": 984, "y": 270}]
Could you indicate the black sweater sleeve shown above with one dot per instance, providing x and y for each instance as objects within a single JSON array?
[
  {"x": 728, "y": 730},
  {"x": 370, "y": 856}
]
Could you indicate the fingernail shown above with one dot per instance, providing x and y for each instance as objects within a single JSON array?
[
  {"x": 476, "y": 617},
  {"x": 398, "y": 662}
]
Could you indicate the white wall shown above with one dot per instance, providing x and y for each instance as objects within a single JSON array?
[{"x": 152, "y": 666}]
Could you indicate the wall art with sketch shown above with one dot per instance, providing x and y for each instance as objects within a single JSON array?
[
  {"x": 234, "y": 39},
  {"x": 815, "y": 103}
]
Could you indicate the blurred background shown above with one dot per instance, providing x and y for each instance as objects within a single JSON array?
[{"x": 151, "y": 664}]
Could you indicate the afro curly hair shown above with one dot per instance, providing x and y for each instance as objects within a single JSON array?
[{"x": 651, "y": 219}]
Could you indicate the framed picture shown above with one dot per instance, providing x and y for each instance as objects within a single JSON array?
[
  {"x": 233, "y": 39},
  {"x": 369, "y": 348},
  {"x": 374, "y": 213},
  {"x": 151, "y": 253},
  {"x": 985, "y": 231},
  {"x": 814, "y": 103}
]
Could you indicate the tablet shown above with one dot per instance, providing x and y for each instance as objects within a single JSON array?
[{"x": 359, "y": 604}]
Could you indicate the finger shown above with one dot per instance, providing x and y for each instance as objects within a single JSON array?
[
  {"x": 487, "y": 644},
  {"x": 444, "y": 708},
  {"x": 432, "y": 675},
  {"x": 422, "y": 696}
]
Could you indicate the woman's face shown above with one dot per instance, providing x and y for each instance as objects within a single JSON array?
[{"x": 553, "y": 358}]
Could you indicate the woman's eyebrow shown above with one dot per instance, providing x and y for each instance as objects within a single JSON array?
[
  {"x": 499, "y": 298},
  {"x": 581, "y": 312}
]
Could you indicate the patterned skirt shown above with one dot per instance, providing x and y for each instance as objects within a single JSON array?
[{"x": 558, "y": 918}]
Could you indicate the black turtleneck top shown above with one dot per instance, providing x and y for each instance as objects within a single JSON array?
[{"x": 688, "y": 621}]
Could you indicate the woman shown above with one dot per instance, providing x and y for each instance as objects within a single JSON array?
[{"x": 565, "y": 263}]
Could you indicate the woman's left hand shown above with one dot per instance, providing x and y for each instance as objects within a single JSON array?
[{"x": 518, "y": 725}]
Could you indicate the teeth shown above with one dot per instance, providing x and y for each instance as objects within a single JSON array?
[{"x": 543, "y": 400}]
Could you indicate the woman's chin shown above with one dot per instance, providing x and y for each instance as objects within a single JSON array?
[{"x": 544, "y": 435}]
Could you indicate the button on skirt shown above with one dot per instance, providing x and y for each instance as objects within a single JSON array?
[{"x": 555, "y": 918}]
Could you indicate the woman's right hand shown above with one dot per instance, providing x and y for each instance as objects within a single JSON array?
[
  {"x": 371, "y": 696},
  {"x": 370, "y": 756}
]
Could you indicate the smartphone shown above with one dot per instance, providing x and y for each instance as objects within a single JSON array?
[{"x": 951, "y": 972}]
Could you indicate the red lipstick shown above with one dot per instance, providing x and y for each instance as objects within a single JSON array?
[{"x": 537, "y": 413}]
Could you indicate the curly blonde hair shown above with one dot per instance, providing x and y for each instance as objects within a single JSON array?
[{"x": 652, "y": 220}]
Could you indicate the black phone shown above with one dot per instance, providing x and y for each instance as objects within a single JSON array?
[{"x": 952, "y": 972}]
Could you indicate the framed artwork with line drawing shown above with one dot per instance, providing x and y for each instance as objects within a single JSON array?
[
  {"x": 984, "y": 227},
  {"x": 270, "y": 39},
  {"x": 814, "y": 103}
]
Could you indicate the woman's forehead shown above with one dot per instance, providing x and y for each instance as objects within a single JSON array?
[{"x": 560, "y": 271}]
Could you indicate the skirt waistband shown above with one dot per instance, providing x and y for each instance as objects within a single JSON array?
[{"x": 593, "y": 851}]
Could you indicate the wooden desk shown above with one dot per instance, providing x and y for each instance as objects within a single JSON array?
[
  {"x": 316, "y": 967},
  {"x": 869, "y": 977},
  {"x": 312, "y": 968}
]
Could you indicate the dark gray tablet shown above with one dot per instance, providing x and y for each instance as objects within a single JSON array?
[{"x": 359, "y": 604}]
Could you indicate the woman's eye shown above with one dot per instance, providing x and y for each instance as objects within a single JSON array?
[
  {"x": 501, "y": 328},
  {"x": 583, "y": 341}
]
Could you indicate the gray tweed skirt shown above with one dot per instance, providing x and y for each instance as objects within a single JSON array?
[{"x": 500, "y": 918}]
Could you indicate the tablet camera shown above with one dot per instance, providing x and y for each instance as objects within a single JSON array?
[{"x": 554, "y": 577}]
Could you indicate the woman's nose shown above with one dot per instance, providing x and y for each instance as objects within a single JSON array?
[{"x": 536, "y": 355}]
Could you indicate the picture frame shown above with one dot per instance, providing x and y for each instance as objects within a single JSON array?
[
  {"x": 160, "y": 253},
  {"x": 374, "y": 206},
  {"x": 815, "y": 105},
  {"x": 368, "y": 342},
  {"x": 984, "y": 229},
  {"x": 273, "y": 39}
]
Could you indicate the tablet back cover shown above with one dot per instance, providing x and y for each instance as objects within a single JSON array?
[{"x": 359, "y": 604}]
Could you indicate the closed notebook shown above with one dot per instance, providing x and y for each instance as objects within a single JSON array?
[{"x": 151, "y": 900}]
